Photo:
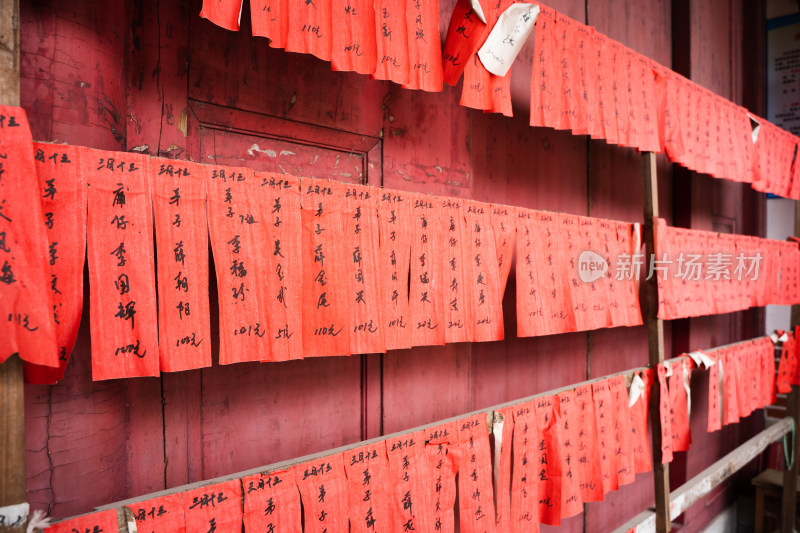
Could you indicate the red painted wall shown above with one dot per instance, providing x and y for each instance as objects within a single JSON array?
[{"x": 151, "y": 74}]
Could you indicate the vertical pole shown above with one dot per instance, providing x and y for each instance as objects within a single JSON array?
[
  {"x": 789, "y": 503},
  {"x": 655, "y": 337},
  {"x": 12, "y": 400}
]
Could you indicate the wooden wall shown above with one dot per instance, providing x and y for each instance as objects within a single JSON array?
[{"x": 154, "y": 76}]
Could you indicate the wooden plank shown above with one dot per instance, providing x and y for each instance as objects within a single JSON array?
[
  {"x": 12, "y": 393},
  {"x": 703, "y": 483},
  {"x": 655, "y": 335}
]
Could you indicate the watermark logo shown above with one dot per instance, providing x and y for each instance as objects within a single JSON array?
[{"x": 591, "y": 266}]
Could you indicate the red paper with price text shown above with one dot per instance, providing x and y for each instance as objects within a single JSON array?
[
  {"x": 503, "y": 432},
  {"x": 272, "y": 503},
  {"x": 424, "y": 46},
  {"x": 427, "y": 294},
  {"x": 679, "y": 415},
  {"x": 458, "y": 272},
  {"x": 714, "y": 399},
  {"x": 730, "y": 385},
  {"x": 641, "y": 444},
  {"x": 323, "y": 488},
  {"x": 548, "y": 460},
  {"x": 63, "y": 200},
  {"x": 368, "y": 488},
  {"x": 25, "y": 302},
  {"x": 105, "y": 521},
  {"x": 179, "y": 201},
  {"x": 526, "y": 488},
  {"x": 223, "y": 13},
  {"x": 482, "y": 257},
  {"x": 571, "y": 501},
  {"x": 604, "y": 422},
  {"x": 394, "y": 213},
  {"x": 391, "y": 37},
  {"x": 160, "y": 514},
  {"x": 270, "y": 19},
  {"x": 410, "y": 479},
  {"x": 463, "y": 34},
  {"x": 787, "y": 367},
  {"x": 326, "y": 322},
  {"x": 215, "y": 507},
  {"x": 441, "y": 446},
  {"x": 623, "y": 437},
  {"x": 589, "y": 471},
  {"x": 545, "y": 102},
  {"x": 236, "y": 231},
  {"x": 505, "y": 236},
  {"x": 475, "y": 488},
  {"x": 122, "y": 299},
  {"x": 663, "y": 414},
  {"x": 279, "y": 203},
  {"x": 353, "y": 45},
  {"x": 309, "y": 28}
]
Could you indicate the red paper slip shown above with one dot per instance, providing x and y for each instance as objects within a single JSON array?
[
  {"x": 179, "y": 201},
  {"x": 326, "y": 322},
  {"x": 531, "y": 289},
  {"x": 503, "y": 433},
  {"x": 427, "y": 300},
  {"x": 424, "y": 45},
  {"x": 475, "y": 490},
  {"x": 526, "y": 488},
  {"x": 463, "y": 34},
  {"x": 160, "y": 514},
  {"x": 410, "y": 479},
  {"x": 323, "y": 488},
  {"x": 545, "y": 104},
  {"x": 548, "y": 460},
  {"x": 679, "y": 415},
  {"x": 640, "y": 441},
  {"x": 623, "y": 437},
  {"x": 272, "y": 503},
  {"x": 505, "y": 236},
  {"x": 105, "y": 521},
  {"x": 369, "y": 491},
  {"x": 63, "y": 199},
  {"x": 224, "y": 13},
  {"x": 309, "y": 28},
  {"x": 441, "y": 445},
  {"x": 238, "y": 241},
  {"x": 391, "y": 38},
  {"x": 589, "y": 469},
  {"x": 482, "y": 257},
  {"x": 571, "y": 501},
  {"x": 279, "y": 206},
  {"x": 122, "y": 301},
  {"x": 714, "y": 398},
  {"x": 215, "y": 507},
  {"x": 459, "y": 272},
  {"x": 353, "y": 45},
  {"x": 663, "y": 414},
  {"x": 270, "y": 18},
  {"x": 394, "y": 212},
  {"x": 25, "y": 250},
  {"x": 730, "y": 381},
  {"x": 604, "y": 422}
]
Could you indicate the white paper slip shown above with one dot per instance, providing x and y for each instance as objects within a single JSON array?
[
  {"x": 477, "y": 9},
  {"x": 507, "y": 37},
  {"x": 636, "y": 390}
]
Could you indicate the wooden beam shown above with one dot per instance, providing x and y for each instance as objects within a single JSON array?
[
  {"x": 12, "y": 398},
  {"x": 703, "y": 483},
  {"x": 655, "y": 337}
]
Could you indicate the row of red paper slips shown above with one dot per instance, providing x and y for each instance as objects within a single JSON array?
[
  {"x": 551, "y": 455},
  {"x": 304, "y": 267},
  {"x": 581, "y": 80}
]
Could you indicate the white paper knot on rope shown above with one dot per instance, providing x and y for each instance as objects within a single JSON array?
[{"x": 701, "y": 359}]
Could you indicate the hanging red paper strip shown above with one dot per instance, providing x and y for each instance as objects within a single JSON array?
[
  {"x": 427, "y": 296},
  {"x": 639, "y": 411},
  {"x": 410, "y": 478},
  {"x": 309, "y": 28},
  {"x": 224, "y": 13},
  {"x": 121, "y": 268},
  {"x": 63, "y": 201},
  {"x": 571, "y": 501},
  {"x": 730, "y": 384},
  {"x": 604, "y": 421},
  {"x": 482, "y": 258},
  {"x": 714, "y": 403},
  {"x": 323, "y": 488},
  {"x": 663, "y": 414},
  {"x": 463, "y": 33},
  {"x": 272, "y": 502},
  {"x": 767, "y": 350},
  {"x": 370, "y": 505},
  {"x": 326, "y": 322},
  {"x": 531, "y": 290},
  {"x": 623, "y": 436},
  {"x": 545, "y": 106},
  {"x": 503, "y": 433},
  {"x": 476, "y": 90},
  {"x": 787, "y": 367},
  {"x": 679, "y": 415},
  {"x": 526, "y": 487},
  {"x": 572, "y": 116},
  {"x": 606, "y": 101},
  {"x": 353, "y": 46},
  {"x": 394, "y": 213},
  {"x": 238, "y": 240},
  {"x": 441, "y": 446},
  {"x": 105, "y": 521},
  {"x": 279, "y": 207},
  {"x": 588, "y": 458},
  {"x": 589, "y": 297},
  {"x": 164, "y": 513},
  {"x": 179, "y": 203},
  {"x": 564, "y": 243},
  {"x": 475, "y": 490},
  {"x": 458, "y": 273},
  {"x": 216, "y": 508},
  {"x": 505, "y": 235},
  {"x": 391, "y": 37},
  {"x": 365, "y": 280},
  {"x": 270, "y": 19},
  {"x": 548, "y": 460},
  {"x": 25, "y": 301},
  {"x": 424, "y": 46}
]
